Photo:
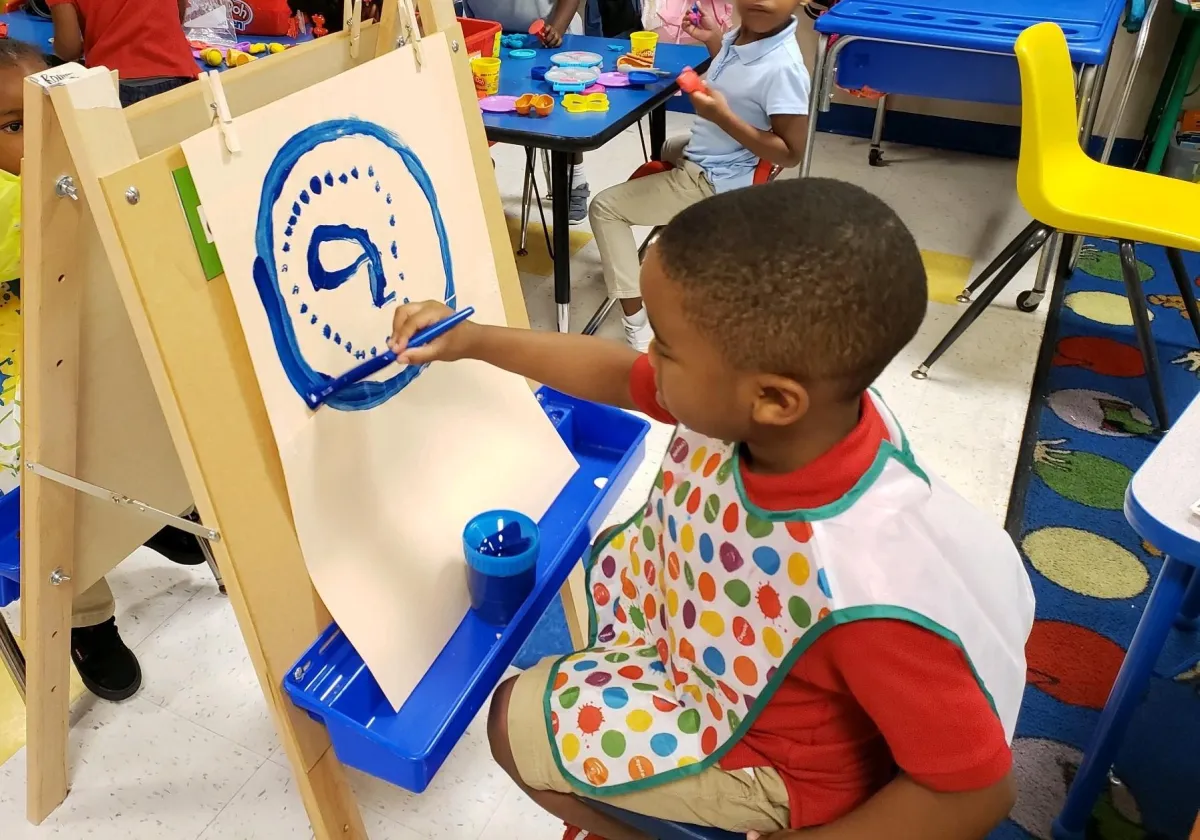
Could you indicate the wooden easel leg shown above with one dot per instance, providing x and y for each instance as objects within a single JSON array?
[{"x": 53, "y": 294}]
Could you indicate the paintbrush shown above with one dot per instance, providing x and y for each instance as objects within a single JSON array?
[{"x": 374, "y": 365}]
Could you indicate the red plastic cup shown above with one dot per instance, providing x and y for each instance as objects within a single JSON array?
[{"x": 689, "y": 81}]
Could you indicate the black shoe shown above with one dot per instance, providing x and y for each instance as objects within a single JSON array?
[
  {"x": 178, "y": 546},
  {"x": 108, "y": 668}
]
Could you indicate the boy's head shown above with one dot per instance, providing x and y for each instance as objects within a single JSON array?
[
  {"x": 17, "y": 60},
  {"x": 774, "y": 302},
  {"x": 763, "y": 17}
]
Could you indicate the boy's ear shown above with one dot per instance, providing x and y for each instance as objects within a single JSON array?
[{"x": 780, "y": 401}]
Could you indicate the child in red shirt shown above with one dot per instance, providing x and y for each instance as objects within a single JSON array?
[
  {"x": 774, "y": 307},
  {"x": 143, "y": 41}
]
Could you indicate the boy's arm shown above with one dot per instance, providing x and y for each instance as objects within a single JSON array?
[
  {"x": 580, "y": 365},
  {"x": 783, "y": 145},
  {"x": 905, "y": 810},
  {"x": 560, "y": 16},
  {"x": 68, "y": 34}
]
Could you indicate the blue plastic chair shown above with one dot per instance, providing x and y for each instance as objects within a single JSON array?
[
  {"x": 1156, "y": 505},
  {"x": 663, "y": 830}
]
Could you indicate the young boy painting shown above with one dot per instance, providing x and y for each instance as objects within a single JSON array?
[
  {"x": 754, "y": 108},
  {"x": 803, "y": 634}
]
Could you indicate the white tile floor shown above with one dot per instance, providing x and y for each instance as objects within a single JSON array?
[{"x": 194, "y": 755}]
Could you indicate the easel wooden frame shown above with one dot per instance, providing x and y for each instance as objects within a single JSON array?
[{"x": 188, "y": 422}]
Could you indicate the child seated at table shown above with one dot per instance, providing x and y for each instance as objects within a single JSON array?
[
  {"x": 802, "y": 631},
  {"x": 754, "y": 107},
  {"x": 562, "y": 17},
  {"x": 142, "y": 41}
]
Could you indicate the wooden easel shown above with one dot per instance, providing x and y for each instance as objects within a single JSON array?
[{"x": 138, "y": 380}]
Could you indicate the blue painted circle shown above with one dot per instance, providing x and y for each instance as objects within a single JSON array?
[
  {"x": 658, "y": 667},
  {"x": 664, "y": 743},
  {"x": 584, "y": 665},
  {"x": 706, "y": 548},
  {"x": 303, "y": 377},
  {"x": 823, "y": 584},
  {"x": 767, "y": 559},
  {"x": 714, "y": 661},
  {"x": 522, "y": 54},
  {"x": 671, "y": 528},
  {"x": 615, "y": 698}
]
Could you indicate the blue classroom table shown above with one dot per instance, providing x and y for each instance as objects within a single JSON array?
[
  {"x": 23, "y": 26},
  {"x": 563, "y": 134}
]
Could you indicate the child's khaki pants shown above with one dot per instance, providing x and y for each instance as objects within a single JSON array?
[
  {"x": 650, "y": 201},
  {"x": 94, "y": 606}
]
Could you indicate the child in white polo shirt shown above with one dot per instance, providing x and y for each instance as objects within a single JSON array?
[{"x": 754, "y": 108}]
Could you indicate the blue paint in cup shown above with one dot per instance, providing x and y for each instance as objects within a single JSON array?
[
  {"x": 501, "y": 547},
  {"x": 538, "y": 72}
]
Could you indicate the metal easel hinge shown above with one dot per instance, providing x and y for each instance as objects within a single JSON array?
[{"x": 121, "y": 500}]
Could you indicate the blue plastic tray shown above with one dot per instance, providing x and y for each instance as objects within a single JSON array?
[
  {"x": 406, "y": 748},
  {"x": 10, "y": 547},
  {"x": 930, "y": 60}
]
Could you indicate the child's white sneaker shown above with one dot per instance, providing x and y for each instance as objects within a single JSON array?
[{"x": 637, "y": 331}]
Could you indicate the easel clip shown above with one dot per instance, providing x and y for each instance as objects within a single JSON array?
[{"x": 214, "y": 96}]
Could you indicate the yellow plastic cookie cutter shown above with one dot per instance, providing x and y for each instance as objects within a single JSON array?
[{"x": 577, "y": 104}]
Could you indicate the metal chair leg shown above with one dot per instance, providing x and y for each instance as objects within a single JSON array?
[
  {"x": 602, "y": 312},
  {"x": 816, "y": 100},
  {"x": 1185, "y": 288},
  {"x": 212, "y": 564},
  {"x": 526, "y": 195},
  {"x": 875, "y": 156},
  {"x": 1004, "y": 256},
  {"x": 1141, "y": 323},
  {"x": 642, "y": 136},
  {"x": 1025, "y": 252}
]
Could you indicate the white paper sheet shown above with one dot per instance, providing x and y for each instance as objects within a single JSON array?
[{"x": 380, "y": 493}]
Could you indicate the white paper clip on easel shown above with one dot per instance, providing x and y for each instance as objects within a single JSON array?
[
  {"x": 214, "y": 97},
  {"x": 353, "y": 16},
  {"x": 411, "y": 33}
]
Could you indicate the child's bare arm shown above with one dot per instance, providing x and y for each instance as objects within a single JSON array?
[
  {"x": 560, "y": 18},
  {"x": 586, "y": 367},
  {"x": 783, "y": 145},
  {"x": 904, "y": 810},
  {"x": 68, "y": 34}
]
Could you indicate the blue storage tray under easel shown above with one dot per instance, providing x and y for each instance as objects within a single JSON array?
[
  {"x": 10, "y": 547},
  {"x": 331, "y": 682}
]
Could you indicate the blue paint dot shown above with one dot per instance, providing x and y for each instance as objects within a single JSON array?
[
  {"x": 370, "y": 171},
  {"x": 358, "y": 354},
  {"x": 663, "y": 744},
  {"x": 706, "y": 548},
  {"x": 377, "y": 187},
  {"x": 329, "y": 179},
  {"x": 392, "y": 221},
  {"x": 406, "y": 300},
  {"x": 354, "y": 173},
  {"x": 395, "y": 250},
  {"x": 328, "y": 332},
  {"x": 304, "y": 196},
  {"x": 714, "y": 661},
  {"x": 659, "y": 510},
  {"x": 287, "y": 246},
  {"x": 402, "y": 277},
  {"x": 615, "y": 698},
  {"x": 388, "y": 198},
  {"x": 372, "y": 351},
  {"x": 337, "y": 338},
  {"x": 314, "y": 184},
  {"x": 767, "y": 559},
  {"x": 295, "y": 290},
  {"x": 283, "y": 269},
  {"x": 388, "y": 298},
  {"x": 584, "y": 665},
  {"x": 292, "y": 220},
  {"x": 343, "y": 178},
  {"x": 287, "y": 231},
  {"x": 823, "y": 583},
  {"x": 671, "y": 528},
  {"x": 347, "y": 346},
  {"x": 314, "y": 319},
  {"x": 303, "y": 308},
  {"x": 658, "y": 666}
]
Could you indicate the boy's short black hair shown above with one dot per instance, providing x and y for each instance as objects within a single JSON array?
[
  {"x": 20, "y": 54},
  {"x": 812, "y": 278}
]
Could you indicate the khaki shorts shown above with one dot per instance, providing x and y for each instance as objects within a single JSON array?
[{"x": 739, "y": 801}]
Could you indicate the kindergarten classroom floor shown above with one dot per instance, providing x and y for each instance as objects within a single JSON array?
[{"x": 194, "y": 754}]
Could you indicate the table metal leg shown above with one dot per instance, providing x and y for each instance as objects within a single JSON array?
[
  {"x": 1139, "y": 50},
  {"x": 1179, "y": 88},
  {"x": 560, "y": 190},
  {"x": 816, "y": 103},
  {"x": 1126, "y": 694},
  {"x": 1189, "y": 614},
  {"x": 12, "y": 657},
  {"x": 526, "y": 192},
  {"x": 658, "y": 132},
  {"x": 875, "y": 156}
]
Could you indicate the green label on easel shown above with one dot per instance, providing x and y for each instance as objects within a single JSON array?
[{"x": 190, "y": 200}]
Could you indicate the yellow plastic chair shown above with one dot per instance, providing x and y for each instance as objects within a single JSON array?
[{"x": 1065, "y": 190}]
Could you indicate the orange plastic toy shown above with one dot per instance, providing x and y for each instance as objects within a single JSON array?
[
  {"x": 319, "y": 29},
  {"x": 540, "y": 103},
  {"x": 690, "y": 82}
]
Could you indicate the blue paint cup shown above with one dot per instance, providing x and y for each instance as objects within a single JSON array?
[
  {"x": 538, "y": 72},
  {"x": 501, "y": 547}
]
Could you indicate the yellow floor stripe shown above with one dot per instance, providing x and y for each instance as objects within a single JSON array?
[
  {"x": 537, "y": 261},
  {"x": 947, "y": 273},
  {"x": 12, "y": 713}
]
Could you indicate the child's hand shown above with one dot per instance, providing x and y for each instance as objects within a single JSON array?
[
  {"x": 550, "y": 36},
  {"x": 411, "y": 317},
  {"x": 707, "y": 31},
  {"x": 710, "y": 104}
]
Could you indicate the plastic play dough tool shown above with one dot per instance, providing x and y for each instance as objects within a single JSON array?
[
  {"x": 370, "y": 366},
  {"x": 571, "y": 79},
  {"x": 522, "y": 54},
  {"x": 501, "y": 548},
  {"x": 640, "y": 78},
  {"x": 499, "y": 104},
  {"x": 690, "y": 82},
  {"x": 613, "y": 79},
  {"x": 577, "y": 58},
  {"x": 540, "y": 103},
  {"x": 594, "y": 102}
]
